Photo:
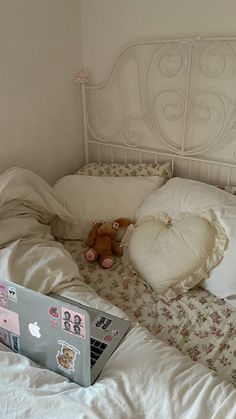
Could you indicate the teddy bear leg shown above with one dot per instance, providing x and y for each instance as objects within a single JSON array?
[
  {"x": 106, "y": 261},
  {"x": 91, "y": 255}
]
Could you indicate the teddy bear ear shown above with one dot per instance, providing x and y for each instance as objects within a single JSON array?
[
  {"x": 115, "y": 225},
  {"x": 123, "y": 222}
]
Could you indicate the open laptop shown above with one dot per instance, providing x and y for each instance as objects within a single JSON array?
[{"x": 60, "y": 334}]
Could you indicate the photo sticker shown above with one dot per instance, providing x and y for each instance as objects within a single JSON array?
[
  {"x": 3, "y": 295},
  {"x": 73, "y": 322},
  {"x": 66, "y": 357}
]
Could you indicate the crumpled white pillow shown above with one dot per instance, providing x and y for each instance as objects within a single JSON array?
[
  {"x": 185, "y": 195},
  {"x": 99, "y": 198},
  {"x": 173, "y": 255}
]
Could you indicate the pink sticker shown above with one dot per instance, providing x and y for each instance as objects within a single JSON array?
[
  {"x": 9, "y": 320},
  {"x": 3, "y": 295},
  {"x": 107, "y": 338},
  {"x": 73, "y": 322},
  {"x": 54, "y": 323},
  {"x": 53, "y": 311}
]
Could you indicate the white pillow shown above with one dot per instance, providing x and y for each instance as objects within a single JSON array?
[
  {"x": 183, "y": 195},
  {"x": 92, "y": 198},
  {"x": 158, "y": 245}
]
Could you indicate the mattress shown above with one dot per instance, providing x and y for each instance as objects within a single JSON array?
[{"x": 197, "y": 323}]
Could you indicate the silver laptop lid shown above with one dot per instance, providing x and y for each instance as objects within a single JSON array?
[{"x": 54, "y": 333}]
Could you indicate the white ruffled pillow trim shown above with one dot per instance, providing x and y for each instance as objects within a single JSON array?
[{"x": 221, "y": 241}]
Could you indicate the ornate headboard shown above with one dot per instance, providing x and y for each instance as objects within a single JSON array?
[{"x": 167, "y": 99}]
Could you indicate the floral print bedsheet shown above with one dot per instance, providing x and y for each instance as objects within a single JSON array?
[{"x": 197, "y": 323}]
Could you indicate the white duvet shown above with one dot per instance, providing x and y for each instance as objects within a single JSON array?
[{"x": 144, "y": 378}]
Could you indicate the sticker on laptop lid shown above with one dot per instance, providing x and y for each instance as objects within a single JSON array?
[
  {"x": 73, "y": 322},
  {"x": 3, "y": 295},
  {"x": 15, "y": 342},
  {"x": 54, "y": 323},
  {"x": 115, "y": 332},
  {"x": 9, "y": 320},
  {"x": 103, "y": 323},
  {"x": 53, "y": 311},
  {"x": 4, "y": 337},
  {"x": 11, "y": 292},
  {"x": 66, "y": 357},
  {"x": 107, "y": 338}
]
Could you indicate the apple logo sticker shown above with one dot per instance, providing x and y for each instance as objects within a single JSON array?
[{"x": 35, "y": 330}]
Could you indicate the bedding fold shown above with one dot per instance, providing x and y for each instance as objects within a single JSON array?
[
  {"x": 24, "y": 193},
  {"x": 29, "y": 254}
]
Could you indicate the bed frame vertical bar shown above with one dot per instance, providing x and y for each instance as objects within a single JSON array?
[
  {"x": 190, "y": 169},
  {"x": 85, "y": 126},
  {"x": 112, "y": 155},
  {"x": 173, "y": 164},
  {"x": 186, "y": 99},
  {"x": 125, "y": 156},
  {"x": 229, "y": 176},
  {"x": 209, "y": 173},
  {"x": 99, "y": 152}
]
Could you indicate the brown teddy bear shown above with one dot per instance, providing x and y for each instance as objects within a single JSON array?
[{"x": 102, "y": 244}]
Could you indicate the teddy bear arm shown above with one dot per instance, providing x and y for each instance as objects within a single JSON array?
[
  {"x": 92, "y": 235},
  {"x": 116, "y": 248}
]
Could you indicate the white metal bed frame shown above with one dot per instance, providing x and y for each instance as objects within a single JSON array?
[{"x": 171, "y": 99}]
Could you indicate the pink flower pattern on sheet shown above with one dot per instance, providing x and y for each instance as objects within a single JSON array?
[{"x": 197, "y": 323}]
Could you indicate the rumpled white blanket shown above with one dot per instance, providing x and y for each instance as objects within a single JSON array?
[{"x": 144, "y": 378}]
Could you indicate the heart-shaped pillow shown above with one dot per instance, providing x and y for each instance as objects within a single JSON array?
[{"x": 173, "y": 255}]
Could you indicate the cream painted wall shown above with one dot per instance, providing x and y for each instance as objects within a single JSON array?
[
  {"x": 40, "y": 119},
  {"x": 108, "y": 25},
  {"x": 41, "y": 51}
]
